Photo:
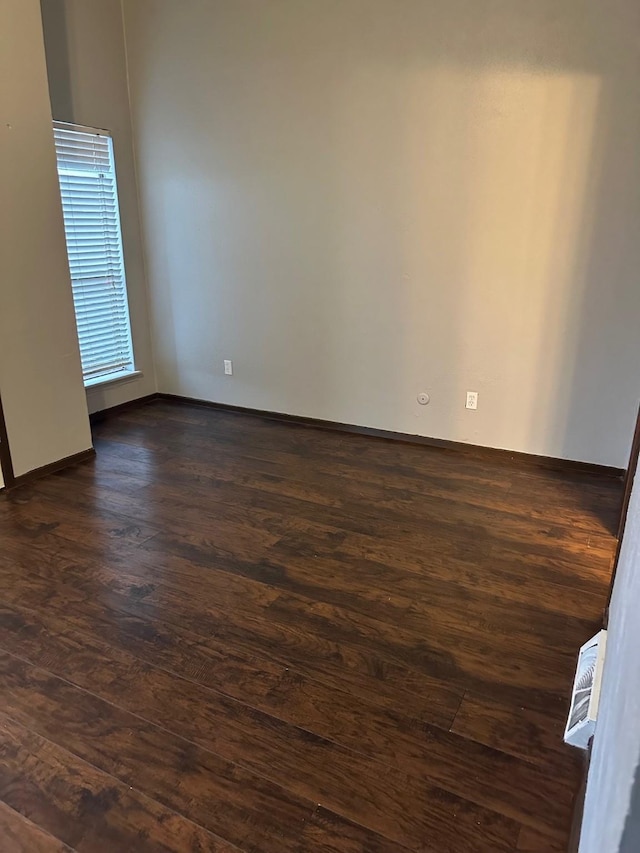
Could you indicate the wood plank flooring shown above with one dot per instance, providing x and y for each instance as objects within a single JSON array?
[{"x": 233, "y": 634}]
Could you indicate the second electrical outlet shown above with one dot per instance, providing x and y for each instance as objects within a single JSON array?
[{"x": 228, "y": 367}]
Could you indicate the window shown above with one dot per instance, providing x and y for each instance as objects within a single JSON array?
[{"x": 94, "y": 246}]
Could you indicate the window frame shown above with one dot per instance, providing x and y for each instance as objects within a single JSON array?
[{"x": 130, "y": 371}]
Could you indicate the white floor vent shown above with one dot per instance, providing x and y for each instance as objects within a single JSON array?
[{"x": 586, "y": 692}]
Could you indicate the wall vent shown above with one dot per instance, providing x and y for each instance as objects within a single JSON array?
[{"x": 586, "y": 692}]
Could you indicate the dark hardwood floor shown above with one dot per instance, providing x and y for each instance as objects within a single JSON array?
[{"x": 233, "y": 634}]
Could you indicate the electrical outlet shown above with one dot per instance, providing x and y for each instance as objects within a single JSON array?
[
  {"x": 228, "y": 367},
  {"x": 472, "y": 400}
]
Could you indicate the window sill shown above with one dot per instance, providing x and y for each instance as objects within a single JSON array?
[{"x": 112, "y": 379}]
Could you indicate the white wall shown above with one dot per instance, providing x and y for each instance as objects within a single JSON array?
[
  {"x": 616, "y": 747},
  {"x": 40, "y": 376},
  {"x": 357, "y": 200},
  {"x": 88, "y": 85}
]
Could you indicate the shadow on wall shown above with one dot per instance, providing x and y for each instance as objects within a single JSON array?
[
  {"x": 607, "y": 272},
  {"x": 520, "y": 202},
  {"x": 54, "y": 23},
  {"x": 631, "y": 835}
]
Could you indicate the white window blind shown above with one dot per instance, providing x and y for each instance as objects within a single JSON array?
[{"x": 94, "y": 245}]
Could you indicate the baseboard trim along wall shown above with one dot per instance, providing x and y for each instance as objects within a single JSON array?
[
  {"x": 475, "y": 450},
  {"x": 112, "y": 411},
  {"x": 51, "y": 468},
  {"x": 6, "y": 465}
]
